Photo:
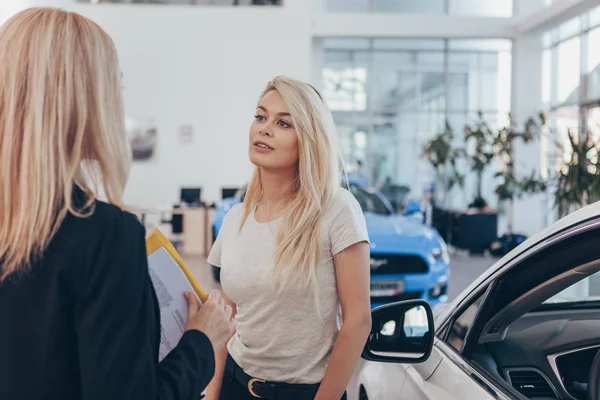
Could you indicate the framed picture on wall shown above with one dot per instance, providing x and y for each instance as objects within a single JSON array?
[
  {"x": 186, "y": 134},
  {"x": 142, "y": 134}
]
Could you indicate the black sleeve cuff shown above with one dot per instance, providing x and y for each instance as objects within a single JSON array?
[{"x": 198, "y": 343}]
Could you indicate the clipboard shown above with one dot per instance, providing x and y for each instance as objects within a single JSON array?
[{"x": 155, "y": 240}]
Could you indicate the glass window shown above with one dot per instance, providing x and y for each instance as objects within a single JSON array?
[
  {"x": 480, "y": 44},
  {"x": 495, "y": 77},
  {"x": 345, "y": 80},
  {"x": 463, "y": 81},
  {"x": 349, "y": 5},
  {"x": 567, "y": 120},
  {"x": 593, "y": 122},
  {"x": 547, "y": 39},
  {"x": 407, "y": 44},
  {"x": 570, "y": 28},
  {"x": 569, "y": 62},
  {"x": 385, "y": 158},
  {"x": 460, "y": 327},
  {"x": 410, "y": 6},
  {"x": 353, "y": 142},
  {"x": 393, "y": 80},
  {"x": 587, "y": 289},
  {"x": 593, "y": 67},
  {"x": 594, "y": 17},
  {"x": 431, "y": 91},
  {"x": 489, "y": 82},
  {"x": 546, "y": 151},
  {"x": 346, "y": 44},
  {"x": 488, "y": 8},
  {"x": 546, "y": 77},
  {"x": 389, "y": 100},
  {"x": 504, "y": 82}
]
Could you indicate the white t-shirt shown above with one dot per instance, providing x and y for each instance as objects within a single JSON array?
[{"x": 281, "y": 338}]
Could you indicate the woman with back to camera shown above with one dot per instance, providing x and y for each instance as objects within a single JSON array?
[
  {"x": 78, "y": 313},
  {"x": 290, "y": 256}
]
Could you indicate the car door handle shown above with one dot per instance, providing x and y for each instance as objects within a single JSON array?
[{"x": 484, "y": 385}]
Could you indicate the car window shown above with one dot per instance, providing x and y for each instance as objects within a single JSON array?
[
  {"x": 586, "y": 290},
  {"x": 369, "y": 202},
  {"x": 461, "y": 325}
]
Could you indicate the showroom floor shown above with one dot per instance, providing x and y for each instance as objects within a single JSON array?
[{"x": 463, "y": 270}]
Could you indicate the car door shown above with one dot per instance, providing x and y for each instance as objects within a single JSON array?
[
  {"x": 455, "y": 370},
  {"x": 445, "y": 376}
]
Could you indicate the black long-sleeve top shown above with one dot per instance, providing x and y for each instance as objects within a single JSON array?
[{"x": 83, "y": 323}]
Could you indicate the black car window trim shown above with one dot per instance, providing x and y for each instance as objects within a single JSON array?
[{"x": 446, "y": 327}]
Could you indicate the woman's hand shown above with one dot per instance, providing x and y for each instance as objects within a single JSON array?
[{"x": 214, "y": 318}]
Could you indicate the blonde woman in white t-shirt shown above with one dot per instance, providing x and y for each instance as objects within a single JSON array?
[{"x": 294, "y": 260}]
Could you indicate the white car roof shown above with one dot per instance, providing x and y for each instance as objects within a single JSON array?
[{"x": 575, "y": 218}]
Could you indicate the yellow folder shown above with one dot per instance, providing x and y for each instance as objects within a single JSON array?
[{"x": 155, "y": 240}]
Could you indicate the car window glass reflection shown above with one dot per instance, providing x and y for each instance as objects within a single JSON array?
[{"x": 460, "y": 327}]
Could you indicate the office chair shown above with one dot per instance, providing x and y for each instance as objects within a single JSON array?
[{"x": 176, "y": 223}]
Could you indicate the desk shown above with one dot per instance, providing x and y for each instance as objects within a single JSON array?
[
  {"x": 210, "y": 215},
  {"x": 194, "y": 230},
  {"x": 197, "y": 227}
]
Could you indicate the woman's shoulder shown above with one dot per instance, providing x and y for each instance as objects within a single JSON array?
[
  {"x": 100, "y": 222},
  {"x": 344, "y": 200},
  {"x": 108, "y": 214},
  {"x": 237, "y": 209},
  {"x": 235, "y": 213},
  {"x": 104, "y": 235}
]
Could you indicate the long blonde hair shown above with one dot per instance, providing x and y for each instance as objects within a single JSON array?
[
  {"x": 62, "y": 125},
  {"x": 299, "y": 239}
]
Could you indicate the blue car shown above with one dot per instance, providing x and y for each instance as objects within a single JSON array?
[{"x": 409, "y": 260}]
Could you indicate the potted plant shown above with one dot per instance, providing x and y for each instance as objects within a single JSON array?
[
  {"x": 440, "y": 153},
  {"x": 479, "y": 154},
  {"x": 578, "y": 180},
  {"x": 511, "y": 185}
]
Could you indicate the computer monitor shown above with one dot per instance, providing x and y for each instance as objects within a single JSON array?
[
  {"x": 227, "y": 193},
  {"x": 191, "y": 195}
]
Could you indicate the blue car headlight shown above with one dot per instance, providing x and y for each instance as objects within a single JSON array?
[
  {"x": 440, "y": 254},
  {"x": 439, "y": 289}
]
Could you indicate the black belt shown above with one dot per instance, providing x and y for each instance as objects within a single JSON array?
[{"x": 271, "y": 390}]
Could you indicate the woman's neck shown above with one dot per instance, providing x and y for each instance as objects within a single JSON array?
[{"x": 278, "y": 189}]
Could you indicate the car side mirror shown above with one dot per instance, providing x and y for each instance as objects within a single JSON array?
[{"x": 401, "y": 332}]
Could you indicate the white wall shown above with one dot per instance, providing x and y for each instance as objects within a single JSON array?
[
  {"x": 9, "y": 7},
  {"x": 204, "y": 66}
]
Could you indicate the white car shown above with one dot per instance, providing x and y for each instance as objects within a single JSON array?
[{"x": 528, "y": 328}]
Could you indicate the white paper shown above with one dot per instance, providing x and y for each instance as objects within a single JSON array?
[{"x": 169, "y": 283}]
